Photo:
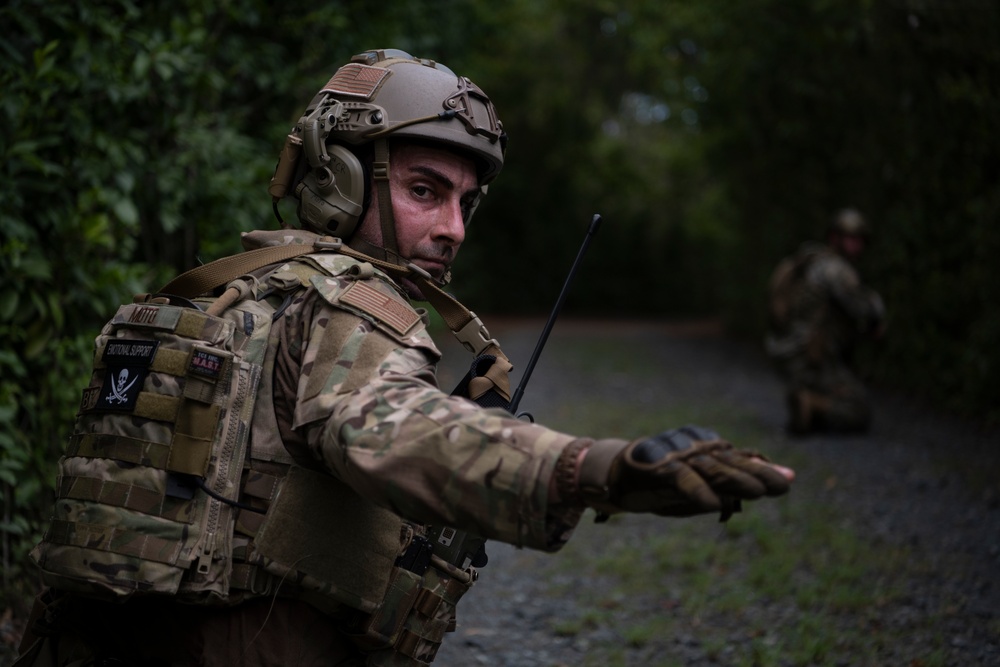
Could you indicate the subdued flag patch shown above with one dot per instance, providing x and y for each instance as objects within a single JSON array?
[
  {"x": 394, "y": 313},
  {"x": 357, "y": 80}
]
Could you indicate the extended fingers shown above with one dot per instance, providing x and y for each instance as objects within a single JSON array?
[
  {"x": 775, "y": 479},
  {"x": 693, "y": 485},
  {"x": 728, "y": 479}
]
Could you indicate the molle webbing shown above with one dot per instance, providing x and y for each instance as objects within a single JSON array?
[
  {"x": 259, "y": 489},
  {"x": 408, "y": 628},
  {"x": 194, "y": 413},
  {"x": 147, "y": 484},
  {"x": 124, "y": 448},
  {"x": 95, "y": 536},
  {"x": 128, "y": 496}
]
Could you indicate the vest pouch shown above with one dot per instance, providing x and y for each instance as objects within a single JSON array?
[
  {"x": 419, "y": 626},
  {"x": 144, "y": 488},
  {"x": 383, "y": 627}
]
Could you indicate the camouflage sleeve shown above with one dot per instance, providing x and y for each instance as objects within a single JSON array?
[
  {"x": 371, "y": 412},
  {"x": 840, "y": 281}
]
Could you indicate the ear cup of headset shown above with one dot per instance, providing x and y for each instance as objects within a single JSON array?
[{"x": 331, "y": 196}]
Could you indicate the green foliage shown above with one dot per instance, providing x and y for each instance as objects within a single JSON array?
[
  {"x": 54, "y": 207},
  {"x": 601, "y": 121},
  {"x": 137, "y": 139}
]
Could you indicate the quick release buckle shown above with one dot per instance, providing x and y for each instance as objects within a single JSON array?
[
  {"x": 474, "y": 336},
  {"x": 328, "y": 243},
  {"x": 420, "y": 272},
  {"x": 413, "y": 268}
]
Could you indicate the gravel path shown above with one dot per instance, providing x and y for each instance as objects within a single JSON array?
[{"x": 906, "y": 483}]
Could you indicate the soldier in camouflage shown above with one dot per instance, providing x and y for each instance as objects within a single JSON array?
[
  {"x": 819, "y": 310},
  {"x": 358, "y": 511}
]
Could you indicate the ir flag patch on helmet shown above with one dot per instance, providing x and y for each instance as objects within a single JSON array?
[{"x": 356, "y": 80}]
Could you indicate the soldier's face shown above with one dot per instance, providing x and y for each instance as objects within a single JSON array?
[
  {"x": 432, "y": 190},
  {"x": 852, "y": 246}
]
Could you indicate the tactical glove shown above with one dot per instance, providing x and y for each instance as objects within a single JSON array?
[{"x": 681, "y": 472}]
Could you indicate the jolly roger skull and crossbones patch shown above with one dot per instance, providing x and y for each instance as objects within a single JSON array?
[{"x": 127, "y": 362}]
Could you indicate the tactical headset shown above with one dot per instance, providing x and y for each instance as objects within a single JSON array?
[
  {"x": 379, "y": 93},
  {"x": 330, "y": 183}
]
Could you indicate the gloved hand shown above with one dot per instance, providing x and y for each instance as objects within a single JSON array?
[{"x": 681, "y": 472}]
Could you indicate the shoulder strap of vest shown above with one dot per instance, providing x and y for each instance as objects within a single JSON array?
[
  {"x": 207, "y": 277},
  {"x": 465, "y": 324}
]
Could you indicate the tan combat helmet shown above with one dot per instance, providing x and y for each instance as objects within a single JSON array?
[
  {"x": 849, "y": 221},
  {"x": 380, "y": 94}
]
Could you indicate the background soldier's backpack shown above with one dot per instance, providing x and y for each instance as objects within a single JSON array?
[{"x": 783, "y": 285}]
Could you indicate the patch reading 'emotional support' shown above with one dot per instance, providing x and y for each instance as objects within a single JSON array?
[{"x": 127, "y": 363}]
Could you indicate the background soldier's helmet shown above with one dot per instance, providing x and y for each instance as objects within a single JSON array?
[
  {"x": 380, "y": 95},
  {"x": 849, "y": 221}
]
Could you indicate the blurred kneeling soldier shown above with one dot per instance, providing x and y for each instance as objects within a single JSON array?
[{"x": 818, "y": 311}]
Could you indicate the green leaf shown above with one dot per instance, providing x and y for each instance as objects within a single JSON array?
[
  {"x": 140, "y": 65},
  {"x": 10, "y": 527},
  {"x": 8, "y": 304},
  {"x": 7, "y": 476},
  {"x": 56, "y": 309},
  {"x": 126, "y": 211},
  {"x": 35, "y": 266},
  {"x": 39, "y": 337}
]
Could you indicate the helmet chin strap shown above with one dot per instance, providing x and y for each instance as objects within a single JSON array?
[{"x": 386, "y": 218}]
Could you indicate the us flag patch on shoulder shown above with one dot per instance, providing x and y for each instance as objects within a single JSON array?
[{"x": 392, "y": 312}]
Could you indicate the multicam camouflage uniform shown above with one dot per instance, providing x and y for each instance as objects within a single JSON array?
[
  {"x": 357, "y": 409},
  {"x": 366, "y": 418},
  {"x": 819, "y": 311}
]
